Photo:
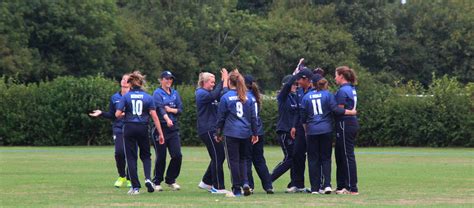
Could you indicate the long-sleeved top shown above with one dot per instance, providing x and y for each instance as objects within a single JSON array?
[
  {"x": 207, "y": 102},
  {"x": 287, "y": 107}
]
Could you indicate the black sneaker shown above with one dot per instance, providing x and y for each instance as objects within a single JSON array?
[
  {"x": 247, "y": 190},
  {"x": 149, "y": 186},
  {"x": 270, "y": 191}
]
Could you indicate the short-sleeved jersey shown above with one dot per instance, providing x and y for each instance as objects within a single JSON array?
[
  {"x": 137, "y": 105},
  {"x": 317, "y": 110},
  {"x": 347, "y": 96},
  {"x": 236, "y": 119},
  {"x": 257, "y": 113},
  {"x": 173, "y": 100}
]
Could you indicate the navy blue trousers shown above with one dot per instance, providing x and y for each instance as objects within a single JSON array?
[
  {"x": 214, "y": 174},
  {"x": 319, "y": 160},
  {"x": 286, "y": 144},
  {"x": 299, "y": 158},
  {"x": 346, "y": 172},
  {"x": 119, "y": 154},
  {"x": 173, "y": 143},
  {"x": 256, "y": 156},
  {"x": 136, "y": 135},
  {"x": 236, "y": 153}
]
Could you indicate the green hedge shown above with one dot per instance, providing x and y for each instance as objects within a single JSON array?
[{"x": 55, "y": 113}]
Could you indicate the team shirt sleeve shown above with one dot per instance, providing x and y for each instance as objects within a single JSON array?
[
  {"x": 302, "y": 111},
  {"x": 111, "y": 113},
  {"x": 179, "y": 103},
  {"x": 253, "y": 117},
  {"x": 285, "y": 90},
  {"x": 334, "y": 106},
  {"x": 222, "y": 112},
  {"x": 158, "y": 101}
]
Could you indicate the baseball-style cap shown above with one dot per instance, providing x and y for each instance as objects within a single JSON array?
[
  {"x": 305, "y": 73},
  {"x": 248, "y": 79},
  {"x": 167, "y": 74},
  {"x": 316, "y": 78}
]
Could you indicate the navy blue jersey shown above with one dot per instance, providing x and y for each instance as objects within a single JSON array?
[
  {"x": 113, "y": 106},
  {"x": 347, "y": 96},
  {"x": 300, "y": 93},
  {"x": 207, "y": 103},
  {"x": 173, "y": 100},
  {"x": 287, "y": 107},
  {"x": 137, "y": 105},
  {"x": 236, "y": 119},
  {"x": 257, "y": 113},
  {"x": 316, "y": 111}
]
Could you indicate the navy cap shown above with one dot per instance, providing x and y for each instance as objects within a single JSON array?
[
  {"x": 167, "y": 74},
  {"x": 248, "y": 79},
  {"x": 286, "y": 79},
  {"x": 316, "y": 78},
  {"x": 305, "y": 73}
]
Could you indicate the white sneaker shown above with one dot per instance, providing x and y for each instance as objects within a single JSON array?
[
  {"x": 292, "y": 189},
  {"x": 327, "y": 190},
  {"x": 158, "y": 188},
  {"x": 174, "y": 187},
  {"x": 229, "y": 194},
  {"x": 133, "y": 191},
  {"x": 204, "y": 186},
  {"x": 218, "y": 191},
  {"x": 150, "y": 186},
  {"x": 315, "y": 192},
  {"x": 342, "y": 191}
]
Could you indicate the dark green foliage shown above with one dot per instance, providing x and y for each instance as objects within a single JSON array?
[{"x": 55, "y": 113}]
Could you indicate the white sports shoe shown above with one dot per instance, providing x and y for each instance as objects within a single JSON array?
[
  {"x": 150, "y": 186},
  {"x": 315, "y": 192},
  {"x": 204, "y": 186},
  {"x": 342, "y": 191},
  {"x": 327, "y": 190},
  {"x": 133, "y": 191},
  {"x": 292, "y": 189},
  {"x": 158, "y": 188},
  {"x": 218, "y": 191},
  {"x": 174, "y": 187}
]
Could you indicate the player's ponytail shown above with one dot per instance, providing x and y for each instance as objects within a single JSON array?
[
  {"x": 204, "y": 77},
  {"x": 136, "y": 79},
  {"x": 322, "y": 84},
  {"x": 236, "y": 80},
  {"x": 255, "y": 91},
  {"x": 348, "y": 74}
]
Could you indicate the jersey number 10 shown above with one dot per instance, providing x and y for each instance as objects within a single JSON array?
[
  {"x": 137, "y": 107},
  {"x": 317, "y": 110}
]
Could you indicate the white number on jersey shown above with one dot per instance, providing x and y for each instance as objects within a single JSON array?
[
  {"x": 355, "y": 98},
  {"x": 239, "y": 108},
  {"x": 317, "y": 110},
  {"x": 137, "y": 107}
]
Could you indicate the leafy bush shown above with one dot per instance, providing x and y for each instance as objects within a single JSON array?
[{"x": 55, "y": 113}]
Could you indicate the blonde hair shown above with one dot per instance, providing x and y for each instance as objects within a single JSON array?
[
  {"x": 236, "y": 79},
  {"x": 204, "y": 77},
  {"x": 136, "y": 79}
]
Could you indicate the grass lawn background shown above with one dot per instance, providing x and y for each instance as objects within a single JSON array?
[{"x": 84, "y": 176}]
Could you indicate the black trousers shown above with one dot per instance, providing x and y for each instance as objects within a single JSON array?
[
  {"x": 236, "y": 153},
  {"x": 136, "y": 135},
  {"x": 299, "y": 158},
  {"x": 346, "y": 172},
  {"x": 256, "y": 156},
  {"x": 173, "y": 144},
  {"x": 319, "y": 160},
  {"x": 214, "y": 174},
  {"x": 119, "y": 154},
  {"x": 286, "y": 144}
]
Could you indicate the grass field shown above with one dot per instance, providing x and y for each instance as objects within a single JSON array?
[{"x": 84, "y": 176}]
